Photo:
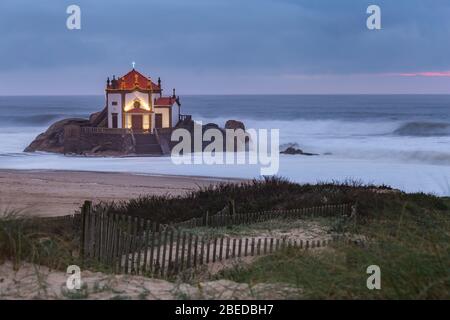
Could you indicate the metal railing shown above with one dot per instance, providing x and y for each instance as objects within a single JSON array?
[
  {"x": 184, "y": 117},
  {"x": 101, "y": 130},
  {"x": 97, "y": 130}
]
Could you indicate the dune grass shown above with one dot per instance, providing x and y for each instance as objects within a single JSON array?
[
  {"x": 25, "y": 239},
  {"x": 407, "y": 236},
  {"x": 409, "y": 240},
  {"x": 253, "y": 196}
]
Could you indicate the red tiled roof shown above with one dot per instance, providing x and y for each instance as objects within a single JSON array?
[
  {"x": 165, "y": 101},
  {"x": 135, "y": 79}
]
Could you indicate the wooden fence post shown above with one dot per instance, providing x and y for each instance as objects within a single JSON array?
[
  {"x": 220, "y": 248},
  {"x": 85, "y": 211},
  {"x": 215, "y": 250},
  {"x": 164, "y": 247},
  {"x": 111, "y": 240},
  {"x": 119, "y": 244},
  {"x": 207, "y": 219},
  {"x": 147, "y": 227},
  {"x": 152, "y": 250},
  {"x": 188, "y": 262},
  {"x": 92, "y": 237},
  {"x": 140, "y": 235},
  {"x": 195, "y": 251},
  {"x": 246, "y": 247},
  {"x": 202, "y": 248},
  {"x": 208, "y": 248},
  {"x": 177, "y": 251},
  {"x": 240, "y": 247},
  {"x": 133, "y": 245},
  {"x": 183, "y": 250},
  {"x": 169, "y": 263}
]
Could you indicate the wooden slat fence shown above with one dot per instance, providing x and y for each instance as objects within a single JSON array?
[
  {"x": 227, "y": 219},
  {"x": 138, "y": 246},
  {"x": 60, "y": 223}
]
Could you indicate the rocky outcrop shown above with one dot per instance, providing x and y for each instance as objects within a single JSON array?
[
  {"x": 93, "y": 118},
  {"x": 230, "y": 124},
  {"x": 80, "y": 136},
  {"x": 67, "y": 136},
  {"x": 52, "y": 140},
  {"x": 293, "y": 149},
  {"x": 234, "y": 124}
]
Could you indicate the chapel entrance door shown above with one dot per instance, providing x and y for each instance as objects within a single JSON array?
[
  {"x": 136, "y": 122},
  {"x": 158, "y": 120}
]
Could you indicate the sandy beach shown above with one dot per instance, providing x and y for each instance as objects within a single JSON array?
[{"x": 53, "y": 193}]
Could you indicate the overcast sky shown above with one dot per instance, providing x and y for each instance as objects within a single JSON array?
[{"x": 227, "y": 46}]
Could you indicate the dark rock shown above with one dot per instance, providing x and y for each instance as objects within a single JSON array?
[
  {"x": 211, "y": 125},
  {"x": 52, "y": 140},
  {"x": 94, "y": 117},
  {"x": 234, "y": 124},
  {"x": 69, "y": 136},
  {"x": 293, "y": 151}
]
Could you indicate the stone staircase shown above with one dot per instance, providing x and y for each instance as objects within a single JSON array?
[{"x": 147, "y": 144}]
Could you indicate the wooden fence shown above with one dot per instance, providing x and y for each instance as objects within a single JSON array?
[
  {"x": 230, "y": 218},
  {"x": 54, "y": 224},
  {"x": 134, "y": 245}
]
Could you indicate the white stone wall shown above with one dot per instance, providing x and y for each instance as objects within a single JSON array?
[
  {"x": 115, "y": 97},
  {"x": 165, "y": 116},
  {"x": 175, "y": 114}
]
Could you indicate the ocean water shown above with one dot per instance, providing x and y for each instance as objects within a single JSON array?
[{"x": 399, "y": 140}]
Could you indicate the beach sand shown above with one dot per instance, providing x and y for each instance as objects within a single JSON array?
[
  {"x": 54, "y": 193},
  {"x": 39, "y": 282}
]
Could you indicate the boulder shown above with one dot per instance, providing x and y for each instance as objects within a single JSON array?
[
  {"x": 52, "y": 140},
  {"x": 211, "y": 126},
  {"x": 234, "y": 124},
  {"x": 93, "y": 117},
  {"x": 293, "y": 151}
]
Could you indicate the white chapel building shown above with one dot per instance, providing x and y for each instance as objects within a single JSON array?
[{"x": 135, "y": 102}]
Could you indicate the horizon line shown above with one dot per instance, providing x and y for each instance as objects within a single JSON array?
[{"x": 239, "y": 94}]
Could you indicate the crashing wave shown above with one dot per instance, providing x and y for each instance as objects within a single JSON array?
[{"x": 424, "y": 129}]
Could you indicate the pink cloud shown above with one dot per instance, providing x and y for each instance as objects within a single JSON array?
[{"x": 423, "y": 74}]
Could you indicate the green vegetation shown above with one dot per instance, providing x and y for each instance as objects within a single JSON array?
[
  {"x": 408, "y": 237},
  {"x": 32, "y": 240},
  {"x": 275, "y": 226},
  {"x": 254, "y": 196}
]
